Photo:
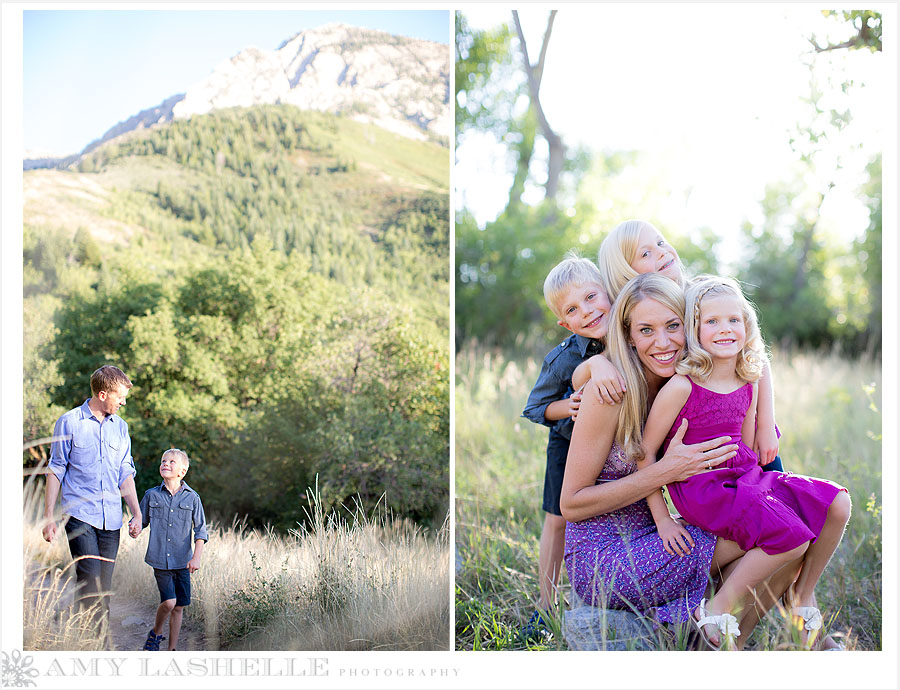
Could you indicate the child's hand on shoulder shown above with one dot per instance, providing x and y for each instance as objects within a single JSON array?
[
  {"x": 676, "y": 539},
  {"x": 607, "y": 378},
  {"x": 575, "y": 403}
]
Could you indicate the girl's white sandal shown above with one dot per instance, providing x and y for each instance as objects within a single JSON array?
[
  {"x": 812, "y": 618},
  {"x": 725, "y": 622}
]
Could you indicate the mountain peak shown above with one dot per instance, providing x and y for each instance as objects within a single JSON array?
[{"x": 399, "y": 83}]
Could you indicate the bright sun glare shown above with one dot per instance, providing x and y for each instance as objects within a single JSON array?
[{"x": 710, "y": 95}]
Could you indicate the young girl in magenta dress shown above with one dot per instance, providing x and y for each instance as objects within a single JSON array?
[{"x": 775, "y": 517}]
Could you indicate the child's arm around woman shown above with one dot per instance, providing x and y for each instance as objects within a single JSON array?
[
  {"x": 669, "y": 401},
  {"x": 602, "y": 373},
  {"x": 748, "y": 430}
]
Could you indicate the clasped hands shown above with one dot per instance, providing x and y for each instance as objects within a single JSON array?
[{"x": 134, "y": 527}]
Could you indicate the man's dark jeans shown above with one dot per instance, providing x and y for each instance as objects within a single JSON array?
[{"x": 96, "y": 549}]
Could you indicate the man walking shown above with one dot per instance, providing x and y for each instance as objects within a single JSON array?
[{"x": 92, "y": 469}]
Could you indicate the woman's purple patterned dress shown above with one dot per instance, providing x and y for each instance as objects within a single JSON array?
[{"x": 617, "y": 560}]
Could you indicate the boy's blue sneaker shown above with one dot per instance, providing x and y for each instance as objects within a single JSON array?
[
  {"x": 153, "y": 640},
  {"x": 536, "y": 628}
]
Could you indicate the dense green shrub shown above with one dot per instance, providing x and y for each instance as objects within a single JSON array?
[{"x": 268, "y": 374}]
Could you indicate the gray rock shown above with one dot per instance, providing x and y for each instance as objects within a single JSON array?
[{"x": 588, "y": 628}]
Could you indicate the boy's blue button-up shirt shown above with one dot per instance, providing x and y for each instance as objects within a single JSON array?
[
  {"x": 555, "y": 380},
  {"x": 91, "y": 461},
  {"x": 172, "y": 520}
]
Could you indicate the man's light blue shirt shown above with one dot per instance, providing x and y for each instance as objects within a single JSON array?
[{"x": 91, "y": 460}]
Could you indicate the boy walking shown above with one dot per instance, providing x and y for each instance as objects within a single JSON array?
[
  {"x": 173, "y": 510},
  {"x": 574, "y": 292}
]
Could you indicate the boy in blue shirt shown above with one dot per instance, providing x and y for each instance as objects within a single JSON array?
[
  {"x": 574, "y": 292},
  {"x": 173, "y": 510}
]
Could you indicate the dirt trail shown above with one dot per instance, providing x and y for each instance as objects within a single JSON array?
[{"x": 130, "y": 621}]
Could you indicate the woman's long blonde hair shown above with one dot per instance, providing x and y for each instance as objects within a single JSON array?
[
  {"x": 633, "y": 412},
  {"x": 697, "y": 362},
  {"x": 616, "y": 253}
]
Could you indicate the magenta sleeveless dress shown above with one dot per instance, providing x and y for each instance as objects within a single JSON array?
[
  {"x": 776, "y": 511},
  {"x": 617, "y": 560}
]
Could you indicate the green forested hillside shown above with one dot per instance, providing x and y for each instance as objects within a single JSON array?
[{"x": 275, "y": 282}]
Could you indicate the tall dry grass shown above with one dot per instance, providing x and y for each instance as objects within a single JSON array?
[
  {"x": 50, "y": 621},
  {"x": 351, "y": 580},
  {"x": 827, "y": 408}
]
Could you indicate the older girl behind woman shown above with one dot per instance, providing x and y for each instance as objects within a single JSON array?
[{"x": 634, "y": 247}]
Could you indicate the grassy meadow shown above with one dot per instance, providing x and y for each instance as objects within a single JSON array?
[
  {"x": 828, "y": 410},
  {"x": 350, "y": 581}
]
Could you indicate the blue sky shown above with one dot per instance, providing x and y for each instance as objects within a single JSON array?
[{"x": 86, "y": 70}]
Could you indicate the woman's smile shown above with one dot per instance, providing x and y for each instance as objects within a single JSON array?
[{"x": 664, "y": 357}]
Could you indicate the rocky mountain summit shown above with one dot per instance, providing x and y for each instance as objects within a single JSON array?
[{"x": 398, "y": 83}]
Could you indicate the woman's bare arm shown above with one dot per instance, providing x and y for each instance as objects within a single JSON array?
[{"x": 592, "y": 439}]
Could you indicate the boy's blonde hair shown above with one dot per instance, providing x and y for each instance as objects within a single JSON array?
[
  {"x": 616, "y": 253},
  {"x": 696, "y": 361},
  {"x": 574, "y": 269},
  {"x": 633, "y": 411},
  {"x": 180, "y": 453}
]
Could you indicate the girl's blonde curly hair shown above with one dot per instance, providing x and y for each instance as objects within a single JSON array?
[{"x": 697, "y": 362}]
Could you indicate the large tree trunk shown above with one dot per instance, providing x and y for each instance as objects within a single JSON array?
[{"x": 557, "y": 151}]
